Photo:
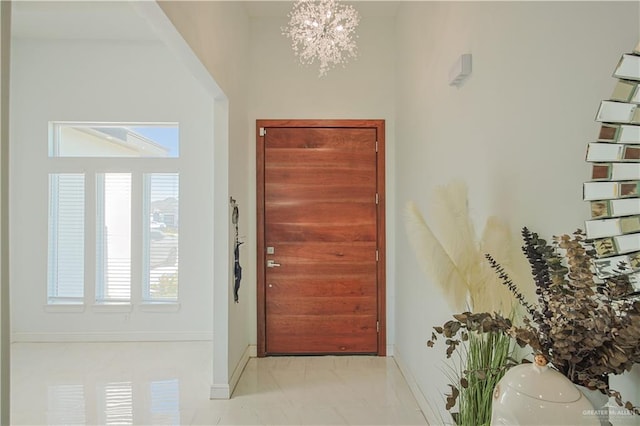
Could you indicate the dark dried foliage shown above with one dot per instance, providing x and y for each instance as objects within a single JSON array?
[{"x": 586, "y": 327}]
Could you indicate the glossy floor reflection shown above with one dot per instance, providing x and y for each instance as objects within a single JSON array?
[{"x": 168, "y": 384}]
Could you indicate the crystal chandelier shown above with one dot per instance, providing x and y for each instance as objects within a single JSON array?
[{"x": 322, "y": 30}]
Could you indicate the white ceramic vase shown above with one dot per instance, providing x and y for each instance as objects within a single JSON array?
[{"x": 531, "y": 394}]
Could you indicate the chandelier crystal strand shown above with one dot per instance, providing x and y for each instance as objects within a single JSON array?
[{"x": 322, "y": 30}]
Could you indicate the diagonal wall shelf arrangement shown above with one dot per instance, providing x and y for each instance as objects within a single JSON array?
[{"x": 614, "y": 188}]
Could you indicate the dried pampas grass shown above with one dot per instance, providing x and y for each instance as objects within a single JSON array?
[
  {"x": 455, "y": 260},
  {"x": 435, "y": 262}
]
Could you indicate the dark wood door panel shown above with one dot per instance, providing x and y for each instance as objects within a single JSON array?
[
  {"x": 340, "y": 286},
  {"x": 319, "y": 225},
  {"x": 332, "y": 253},
  {"x": 294, "y": 334},
  {"x": 322, "y": 305},
  {"x": 321, "y": 158},
  {"x": 284, "y": 192},
  {"x": 328, "y": 269},
  {"x": 347, "y": 139},
  {"x": 356, "y": 343},
  {"x": 301, "y": 174},
  {"x": 320, "y": 232},
  {"x": 321, "y": 213}
]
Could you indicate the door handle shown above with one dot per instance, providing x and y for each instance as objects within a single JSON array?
[{"x": 272, "y": 264}]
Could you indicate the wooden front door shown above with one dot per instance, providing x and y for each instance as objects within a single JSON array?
[{"x": 321, "y": 270}]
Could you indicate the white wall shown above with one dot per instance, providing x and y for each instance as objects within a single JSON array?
[
  {"x": 106, "y": 81},
  {"x": 272, "y": 85},
  {"x": 280, "y": 88},
  {"x": 5, "y": 37},
  {"x": 516, "y": 132},
  {"x": 218, "y": 34}
]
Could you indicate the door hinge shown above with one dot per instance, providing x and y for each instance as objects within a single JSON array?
[
  {"x": 263, "y": 131},
  {"x": 377, "y": 255},
  {"x": 377, "y": 326},
  {"x": 376, "y": 146},
  {"x": 377, "y": 198}
]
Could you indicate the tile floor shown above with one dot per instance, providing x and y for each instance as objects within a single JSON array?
[{"x": 168, "y": 383}]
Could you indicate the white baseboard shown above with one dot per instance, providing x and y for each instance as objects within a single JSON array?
[
  {"x": 237, "y": 372},
  {"x": 390, "y": 350},
  {"x": 220, "y": 392},
  {"x": 224, "y": 391},
  {"x": 253, "y": 351},
  {"x": 112, "y": 336},
  {"x": 432, "y": 416}
]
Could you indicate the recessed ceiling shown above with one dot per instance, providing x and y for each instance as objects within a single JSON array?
[{"x": 79, "y": 20}]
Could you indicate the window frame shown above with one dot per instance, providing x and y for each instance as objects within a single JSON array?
[{"x": 91, "y": 167}]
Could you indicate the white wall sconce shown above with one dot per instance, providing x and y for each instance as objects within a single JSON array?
[{"x": 460, "y": 70}]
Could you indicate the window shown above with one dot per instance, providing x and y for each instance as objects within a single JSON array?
[
  {"x": 160, "y": 212},
  {"x": 66, "y": 238},
  {"x": 113, "y": 237},
  {"x": 113, "y": 140},
  {"x": 136, "y": 258}
]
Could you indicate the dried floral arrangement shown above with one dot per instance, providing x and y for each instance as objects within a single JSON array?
[
  {"x": 586, "y": 327},
  {"x": 453, "y": 258}
]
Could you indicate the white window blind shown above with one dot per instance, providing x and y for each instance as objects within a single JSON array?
[
  {"x": 113, "y": 237},
  {"x": 65, "y": 275},
  {"x": 161, "y": 236}
]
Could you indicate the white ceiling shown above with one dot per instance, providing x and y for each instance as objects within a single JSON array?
[{"x": 118, "y": 20}]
